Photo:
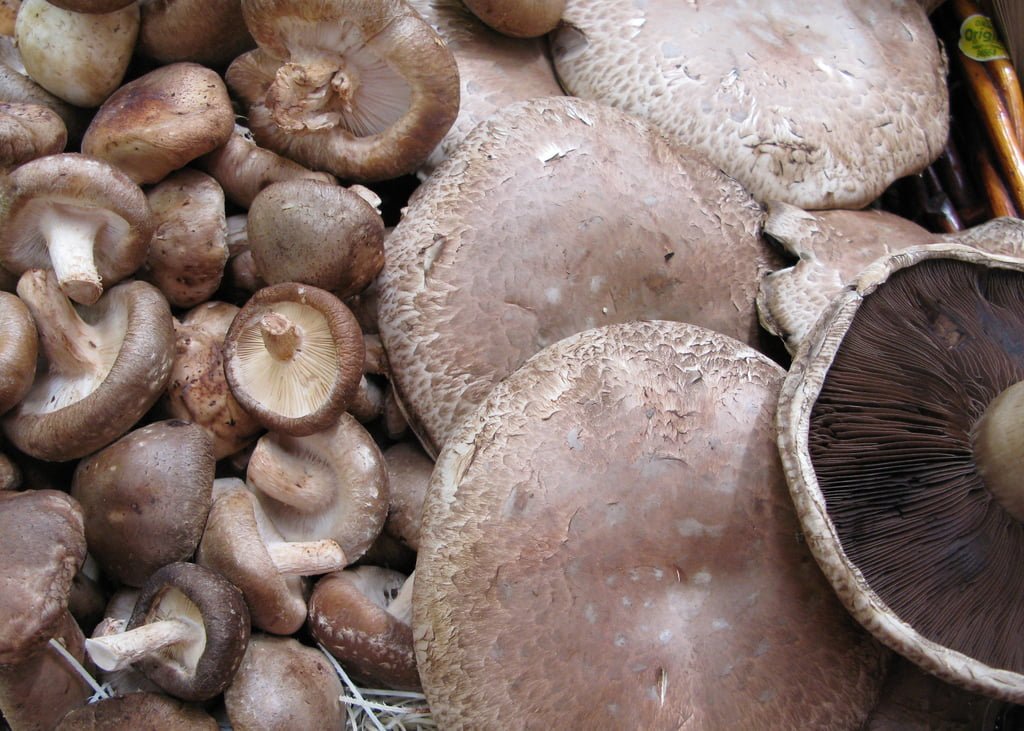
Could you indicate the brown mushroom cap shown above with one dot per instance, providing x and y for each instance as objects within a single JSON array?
[
  {"x": 15, "y": 87},
  {"x": 881, "y": 423},
  {"x": 146, "y": 498},
  {"x": 28, "y": 131},
  {"x": 137, "y": 711},
  {"x": 160, "y": 121},
  {"x": 500, "y": 252},
  {"x": 519, "y": 18},
  {"x": 607, "y": 542},
  {"x": 293, "y": 357},
  {"x": 283, "y": 685},
  {"x": 91, "y": 6},
  {"x": 409, "y": 471},
  {"x": 734, "y": 81},
  {"x": 366, "y": 100},
  {"x": 208, "y": 32},
  {"x": 77, "y": 215},
  {"x": 18, "y": 350},
  {"x": 106, "y": 365}
]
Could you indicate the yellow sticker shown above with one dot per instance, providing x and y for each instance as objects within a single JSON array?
[{"x": 979, "y": 40}]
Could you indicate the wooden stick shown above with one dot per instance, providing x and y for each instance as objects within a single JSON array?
[{"x": 998, "y": 197}]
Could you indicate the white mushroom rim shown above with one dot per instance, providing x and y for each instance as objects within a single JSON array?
[{"x": 291, "y": 367}]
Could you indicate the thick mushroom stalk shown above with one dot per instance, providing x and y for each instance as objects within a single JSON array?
[
  {"x": 70, "y": 239},
  {"x": 306, "y": 558},
  {"x": 314, "y": 95},
  {"x": 280, "y": 336},
  {"x": 999, "y": 449},
  {"x": 118, "y": 651},
  {"x": 290, "y": 477}
]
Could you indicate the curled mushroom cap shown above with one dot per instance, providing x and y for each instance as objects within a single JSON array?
[
  {"x": 733, "y": 81},
  {"x": 519, "y": 18},
  {"x": 607, "y": 542},
  {"x": 363, "y": 89},
  {"x": 77, "y": 215},
  {"x": 898, "y": 429},
  {"x": 138, "y": 711},
  {"x": 105, "y": 366},
  {"x": 293, "y": 357},
  {"x": 500, "y": 254},
  {"x": 160, "y": 121},
  {"x": 28, "y": 131},
  {"x": 146, "y": 498},
  {"x": 18, "y": 350}
]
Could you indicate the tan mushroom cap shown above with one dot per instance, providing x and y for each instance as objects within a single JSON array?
[
  {"x": 293, "y": 357},
  {"x": 91, "y": 6},
  {"x": 159, "y": 122},
  {"x": 880, "y": 421},
  {"x": 18, "y": 350},
  {"x": 409, "y": 471},
  {"x": 363, "y": 89},
  {"x": 208, "y": 32},
  {"x": 28, "y": 131},
  {"x": 105, "y": 366},
  {"x": 519, "y": 18},
  {"x": 820, "y": 106},
  {"x": 513, "y": 244},
  {"x": 282, "y": 685},
  {"x": 136, "y": 711},
  {"x": 607, "y": 542}
]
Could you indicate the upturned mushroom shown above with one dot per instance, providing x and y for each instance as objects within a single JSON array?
[
  {"x": 500, "y": 254},
  {"x": 187, "y": 633},
  {"x": 77, "y": 215},
  {"x": 241, "y": 542},
  {"x": 363, "y": 616},
  {"x": 607, "y": 542},
  {"x": 146, "y": 498},
  {"x": 18, "y": 350},
  {"x": 103, "y": 367},
  {"x": 898, "y": 433},
  {"x": 361, "y": 90},
  {"x": 160, "y": 121},
  {"x": 735, "y": 82},
  {"x": 293, "y": 357}
]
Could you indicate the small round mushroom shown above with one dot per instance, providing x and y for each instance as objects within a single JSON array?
[
  {"x": 607, "y": 542},
  {"x": 208, "y": 32},
  {"x": 241, "y": 542},
  {"x": 136, "y": 711},
  {"x": 363, "y": 615},
  {"x": 77, "y": 215},
  {"x": 293, "y": 357},
  {"x": 187, "y": 634},
  {"x": 18, "y": 350},
  {"x": 146, "y": 498},
  {"x": 315, "y": 233},
  {"x": 362, "y": 90},
  {"x": 28, "y": 131},
  {"x": 79, "y": 57},
  {"x": 519, "y": 18},
  {"x": 282, "y": 685},
  {"x": 104, "y": 367},
  {"x": 159, "y": 122}
]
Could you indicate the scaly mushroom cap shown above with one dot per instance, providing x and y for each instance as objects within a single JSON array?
[
  {"x": 506, "y": 249},
  {"x": 106, "y": 365},
  {"x": 208, "y": 32},
  {"x": 28, "y": 131},
  {"x": 293, "y": 357},
  {"x": 80, "y": 216},
  {"x": 42, "y": 540},
  {"x": 882, "y": 431},
  {"x": 821, "y": 106},
  {"x": 136, "y": 711},
  {"x": 519, "y": 18},
  {"x": 19, "y": 348},
  {"x": 146, "y": 498},
  {"x": 282, "y": 685},
  {"x": 363, "y": 89},
  {"x": 607, "y": 542},
  {"x": 160, "y": 121}
]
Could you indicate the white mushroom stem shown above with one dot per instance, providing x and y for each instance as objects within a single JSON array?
[
  {"x": 116, "y": 652},
  {"x": 999, "y": 449},
  {"x": 70, "y": 239},
  {"x": 281, "y": 337},
  {"x": 284, "y": 472},
  {"x": 307, "y": 558},
  {"x": 401, "y": 606},
  {"x": 63, "y": 335}
]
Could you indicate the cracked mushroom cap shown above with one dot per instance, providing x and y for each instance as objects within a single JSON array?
[
  {"x": 18, "y": 350},
  {"x": 901, "y": 448},
  {"x": 105, "y": 365},
  {"x": 293, "y": 357},
  {"x": 146, "y": 498},
  {"x": 80, "y": 216},
  {"x": 500, "y": 253},
  {"x": 42, "y": 540},
  {"x": 616, "y": 507},
  {"x": 363, "y": 90},
  {"x": 734, "y": 80}
]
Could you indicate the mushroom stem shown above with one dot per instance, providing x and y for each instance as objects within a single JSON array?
[
  {"x": 63, "y": 335},
  {"x": 280, "y": 335},
  {"x": 999, "y": 449},
  {"x": 312, "y": 95},
  {"x": 116, "y": 652},
  {"x": 279, "y": 469},
  {"x": 307, "y": 558},
  {"x": 70, "y": 240},
  {"x": 401, "y": 606}
]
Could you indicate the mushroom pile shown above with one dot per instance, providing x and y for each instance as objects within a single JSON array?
[{"x": 423, "y": 359}]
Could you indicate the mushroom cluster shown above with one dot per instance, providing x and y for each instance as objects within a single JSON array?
[{"x": 434, "y": 349}]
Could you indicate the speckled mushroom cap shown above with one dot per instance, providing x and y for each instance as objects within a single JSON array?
[
  {"x": 607, "y": 542},
  {"x": 524, "y": 237},
  {"x": 820, "y": 106},
  {"x": 18, "y": 350},
  {"x": 135, "y": 711},
  {"x": 879, "y": 424},
  {"x": 833, "y": 247}
]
